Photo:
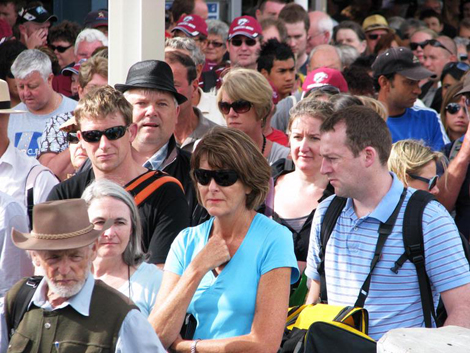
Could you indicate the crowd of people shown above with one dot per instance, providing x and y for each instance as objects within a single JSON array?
[{"x": 185, "y": 208}]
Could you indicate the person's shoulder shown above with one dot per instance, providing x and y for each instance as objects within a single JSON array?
[
  {"x": 72, "y": 187},
  {"x": 69, "y": 101},
  {"x": 422, "y": 112}
]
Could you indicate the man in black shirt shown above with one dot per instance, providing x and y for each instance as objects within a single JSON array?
[{"x": 106, "y": 131}]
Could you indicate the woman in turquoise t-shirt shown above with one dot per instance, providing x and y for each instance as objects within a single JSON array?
[{"x": 233, "y": 272}]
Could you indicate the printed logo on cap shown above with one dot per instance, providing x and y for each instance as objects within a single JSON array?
[
  {"x": 101, "y": 14},
  {"x": 320, "y": 77},
  {"x": 242, "y": 21},
  {"x": 188, "y": 18}
]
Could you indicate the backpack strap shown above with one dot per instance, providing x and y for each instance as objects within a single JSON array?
[
  {"x": 148, "y": 183},
  {"x": 328, "y": 224},
  {"x": 21, "y": 302},
  {"x": 414, "y": 249},
  {"x": 29, "y": 188}
]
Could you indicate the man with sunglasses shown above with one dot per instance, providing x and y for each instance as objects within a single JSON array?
[
  {"x": 106, "y": 132},
  {"x": 244, "y": 42},
  {"x": 374, "y": 27},
  {"x": 396, "y": 74},
  {"x": 437, "y": 53}
]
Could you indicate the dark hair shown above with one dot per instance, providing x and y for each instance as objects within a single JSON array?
[
  {"x": 364, "y": 61},
  {"x": 9, "y": 50},
  {"x": 364, "y": 127},
  {"x": 262, "y": 3},
  {"x": 273, "y": 50},
  {"x": 181, "y": 7},
  {"x": 359, "y": 81},
  {"x": 175, "y": 57},
  {"x": 453, "y": 69},
  {"x": 278, "y": 23},
  {"x": 344, "y": 100},
  {"x": 465, "y": 23},
  {"x": 385, "y": 42},
  {"x": 66, "y": 31},
  {"x": 428, "y": 13},
  {"x": 352, "y": 26},
  {"x": 293, "y": 13},
  {"x": 389, "y": 77}
]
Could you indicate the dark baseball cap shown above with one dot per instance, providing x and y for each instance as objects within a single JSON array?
[
  {"x": 35, "y": 14},
  {"x": 96, "y": 19},
  {"x": 400, "y": 61}
]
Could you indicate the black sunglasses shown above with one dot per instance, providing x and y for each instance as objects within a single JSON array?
[
  {"x": 431, "y": 182},
  {"x": 113, "y": 133},
  {"x": 59, "y": 48},
  {"x": 239, "y": 107},
  {"x": 72, "y": 137},
  {"x": 415, "y": 45},
  {"x": 221, "y": 177},
  {"x": 453, "y": 108},
  {"x": 214, "y": 44},
  {"x": 236, "y": 42},
  {"x": 435, "y": 43},
  {"x": 374, "y": 36}
]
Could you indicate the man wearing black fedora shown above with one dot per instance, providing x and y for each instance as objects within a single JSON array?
[
  {"x": 67, "y": 309},
  {"x": 150, "y": 89}
]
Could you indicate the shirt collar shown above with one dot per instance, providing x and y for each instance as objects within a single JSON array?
[
  {"x": 9, "y": 155},
  {"x": 156, "y": 161},
  {"x": 80, "y": 301}
]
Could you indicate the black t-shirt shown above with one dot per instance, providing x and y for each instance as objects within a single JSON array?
[{"x": 163, "y": 214}]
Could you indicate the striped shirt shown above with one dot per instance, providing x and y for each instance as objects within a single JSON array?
[{"x": 394, "y": 300}]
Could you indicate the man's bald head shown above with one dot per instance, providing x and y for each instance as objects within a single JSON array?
[
  {"x": 324, "y": 55},
  {"x": 321, "y": 29},
  {"x": 448, "y": 43}
]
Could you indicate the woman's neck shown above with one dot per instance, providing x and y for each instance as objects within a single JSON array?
[
  {"x": 314, "y": 177},
  {"x": 110, "y": 266},
  {"x": 234, "y": 225}
]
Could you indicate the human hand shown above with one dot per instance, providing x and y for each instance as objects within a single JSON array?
[
  {"x": 37, "y": 39},
  {"x": 214, "y": 254}
]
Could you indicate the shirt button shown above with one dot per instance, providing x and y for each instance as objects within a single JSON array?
[
  {"x": 355, "y": 228},
  {"x": 47, "y": 325}
]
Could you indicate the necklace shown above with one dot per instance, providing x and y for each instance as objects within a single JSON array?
[{"x": 264, "y": 145}]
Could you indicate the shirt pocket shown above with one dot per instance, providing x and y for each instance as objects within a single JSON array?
[{"x": 19, "y": 343}]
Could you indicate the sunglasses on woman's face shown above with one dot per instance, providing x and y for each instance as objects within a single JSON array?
[
  {"x": 415, "y": 45},
  {"x": 72, "y": 137},
  {"x": 113, "y": 133},
  {"x": 453, "y": 108},
  {"x": 59, "y": 48},
  {"x": 239, "y": 107},
  {"x": 431, "y": 182},
  {"x": 221, "y": 177},
  {"x": 374, "y": 36}
]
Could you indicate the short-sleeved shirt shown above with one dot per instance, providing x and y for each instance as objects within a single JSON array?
[
  {"x": 394, "y": 300},
  {"x": 224, "y": 306},
  {"x": 25, "y": 130},
  {"x": 163, "y": 214},
  {"x": 419, "y": 124},
  {"x": 53, "y": 139}
]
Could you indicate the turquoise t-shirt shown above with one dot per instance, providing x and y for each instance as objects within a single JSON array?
[{"x": 224, "y": 306}]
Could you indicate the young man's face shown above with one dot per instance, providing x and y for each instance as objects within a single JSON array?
[
  {"x": 297, "y": 37},
  {"x": 435, "y": 59},
  {"x": 271, "y": 10},
  {"x": 403, "y": 92},
  {"x": 282, "y": 76},
  {"x": 434, "y": 24}
]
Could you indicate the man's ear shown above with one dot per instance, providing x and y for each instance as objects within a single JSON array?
[
  {"x": 383, "y": 82},
  {"x": 265, "y": 73},
  {"x": 370, "y": 155}
]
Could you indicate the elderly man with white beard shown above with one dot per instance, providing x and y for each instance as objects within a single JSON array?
[{"x": 67, "y": 309}]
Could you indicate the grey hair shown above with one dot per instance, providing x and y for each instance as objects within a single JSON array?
[
  {"x": 325, "y": 24},
  {"x": 323, "y": 46},
  {"x": 218, "y": 28},
  {"x": 29, "y": 61},
  {"x": 348, "y": 54},
  {"x": 90, "y": 35},
  {"x": 190, "y": 46},
  {"x": 145, "y": 91},
  {"x": 133, "y": 254}
]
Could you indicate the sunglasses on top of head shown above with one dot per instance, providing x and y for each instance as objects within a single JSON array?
[
  {"x": 221, "y": 177},
  {"x": 239, "y": 107},
  {"x": 59, "y": 48},
  {"x": 113, "y": 133},
  {"x": 436, "y": 44},
  {"x": 236, "y": 42},
  {"x": 431, "y": 182}
]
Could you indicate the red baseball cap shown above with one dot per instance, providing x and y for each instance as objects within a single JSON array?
[
  {"x": 192, "y": 25},
  {"x": 245, "y": 26},
  {"x": 325, "y": 77}
]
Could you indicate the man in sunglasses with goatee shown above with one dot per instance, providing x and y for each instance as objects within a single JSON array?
[{"x": 106, "y": 132}]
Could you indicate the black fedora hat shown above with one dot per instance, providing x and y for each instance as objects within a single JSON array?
[{"x": 151, "y": 74}]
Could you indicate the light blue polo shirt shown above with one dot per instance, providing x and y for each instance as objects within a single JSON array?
[{"x": 394, "y": 300}]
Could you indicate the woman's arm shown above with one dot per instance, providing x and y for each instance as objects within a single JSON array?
[
  {"x": 268, "y": 324},
  {"x": 176, "y": 291}
]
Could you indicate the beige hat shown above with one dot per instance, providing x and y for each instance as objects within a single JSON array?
[
  {"x": 59, "y": 225},
  {"x": 5, "y": 103},
  {"x": 69, "y": 125},
  {"x": 374, "y": 22}
]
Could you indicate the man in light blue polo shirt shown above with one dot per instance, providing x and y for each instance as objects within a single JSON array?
[{"x": 355, "y": 146}]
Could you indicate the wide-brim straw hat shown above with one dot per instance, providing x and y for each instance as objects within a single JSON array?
[
  {"x": 5, "y": 102},
  {"x": 59, "y": 225}
]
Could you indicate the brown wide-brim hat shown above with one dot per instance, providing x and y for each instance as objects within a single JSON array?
[
  {"x": 151, "y": 74},
  {"x": 466, "y": 86},
  {"x": 5, "y": 103},
  {"x": 59, "y": 225}
]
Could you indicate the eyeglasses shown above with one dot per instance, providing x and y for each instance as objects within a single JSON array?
[
  {"x": 215, "y": 44},
  {"x": 463, "y": 57},
  {"x": 59, "y": 48},
  {"x": 238, "y": 107},
  {"x": 435, "y": 43},
  {"x": 431, "y": 182},
  {"x": 453, "y": 108},
  {"x": 415, "y": 45},
  {"x": 236, "y": 42},
  {"x": 221, "y": 177},
  {"x": 72, "y": 137},
  {"x": 113, "y": 133},
  {"x": 374, "y": 36}
]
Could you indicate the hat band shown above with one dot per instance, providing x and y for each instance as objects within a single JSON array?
[
  {"x": 5, "y": 105},
  {"x": 63, "y": 235}
]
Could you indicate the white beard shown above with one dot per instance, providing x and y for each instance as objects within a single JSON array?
[{"x": 67, "y": 291}]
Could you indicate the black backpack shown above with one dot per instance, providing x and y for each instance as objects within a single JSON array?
[{"x": 412, "y": 242}]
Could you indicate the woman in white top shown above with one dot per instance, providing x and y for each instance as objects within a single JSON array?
[{"x": 120, "y": 260}]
